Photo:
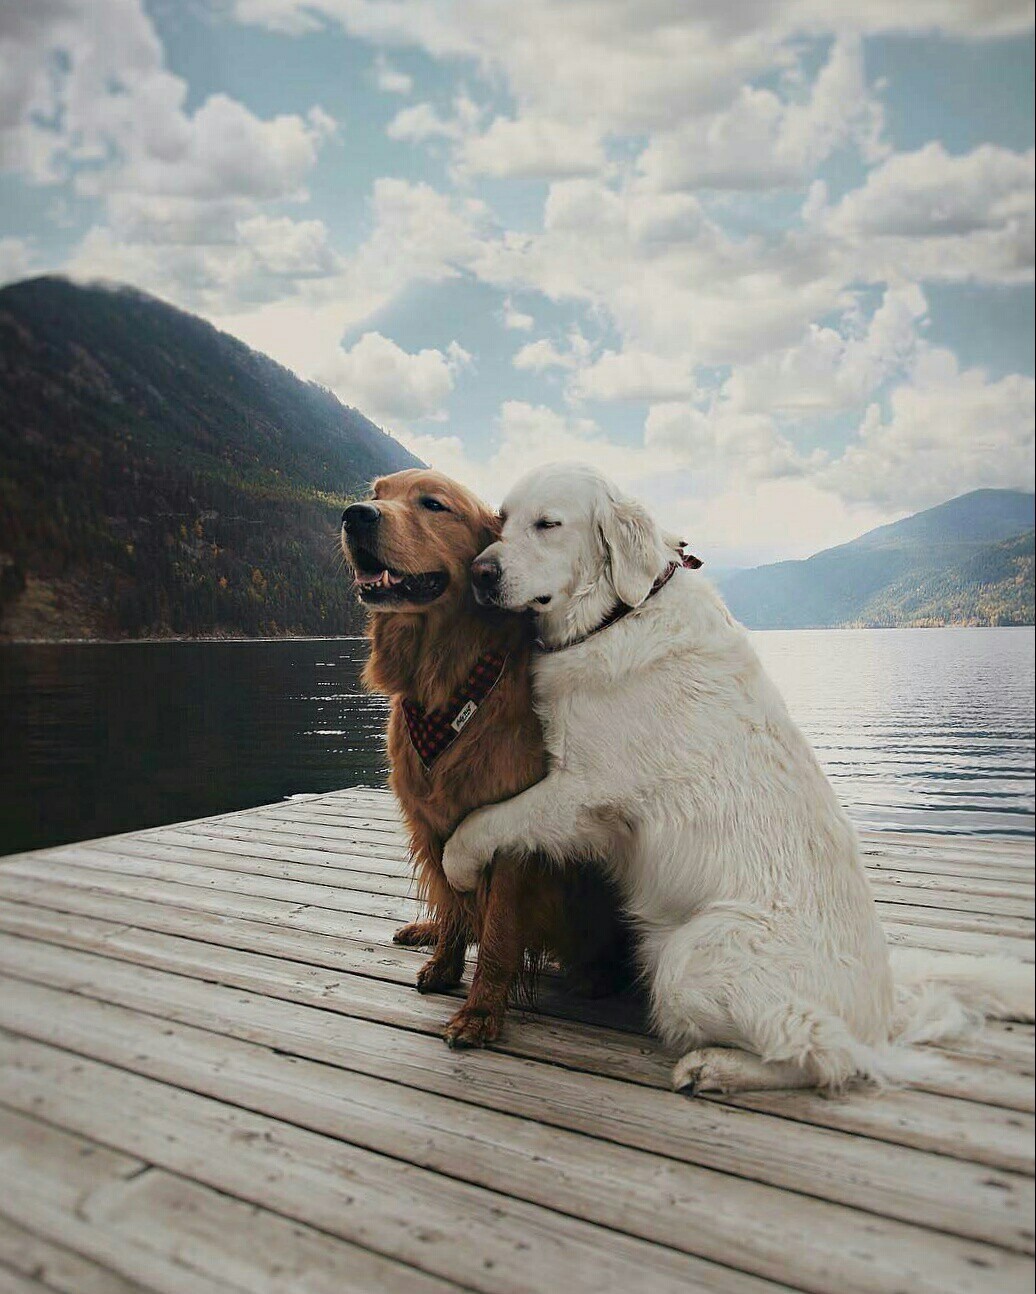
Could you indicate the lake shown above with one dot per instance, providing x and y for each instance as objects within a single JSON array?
[{"x": 920, "y": 730}]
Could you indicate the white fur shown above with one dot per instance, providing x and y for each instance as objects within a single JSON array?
[{"x": 674, "y": 758}]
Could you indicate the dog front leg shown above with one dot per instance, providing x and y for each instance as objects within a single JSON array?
[
  {"x": 445, "y": 968},
  {"x": 553, "y": 818},
  {"x": 502, "y": 943}
]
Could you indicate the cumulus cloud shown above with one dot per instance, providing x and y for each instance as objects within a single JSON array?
[
  {"x": 764, "y": 141},
  {"x": 530, "y": 435},
  {"x": 832, "y": 369},
  {"x": 532, "y": 146},
  {"x": 929, "y": 214},
  {"x": 389, "y": 384},
  {"x": 677, "y": 142},
  {"x": 87, "y": 100},
  {"x": 538, "y": 356},
  {"x": 634, "y": 375},
  {"x": 945, "y": 431},
  {"x": 718, "y": 435},
  {"x": 420, "y": 123}
]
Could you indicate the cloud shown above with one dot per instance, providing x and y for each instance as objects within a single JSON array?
[
  {"x": 417, "y": 235},
  {"x": 764, "y": 141},
  {"x": 538, "y": 356},
  {"x": 627, "y": 66},
  {"x": 391, "y": 385},
  {"x": 530, "y": 435},
  {"x": 829, "y": 369},
  {"x": 420, "y": 123},
  {"x": 515, "y": 319},
  {"x": 389, "y": 79},
  {"x": 87, "y": 101},
  {"x": 532, "y": 146},
  {"x": 634, "y": 375},
  {"x": 931, "y": 215},
  {"x": 944, "y": 432},
  {"x": 749, "y": 444},
  {"x": 260, "y": 259}
]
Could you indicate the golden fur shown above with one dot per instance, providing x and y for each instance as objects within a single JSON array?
[{"x": 424, "y": 653}]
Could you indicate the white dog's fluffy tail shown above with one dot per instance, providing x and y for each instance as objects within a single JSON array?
[{"x": 940, "y": 996}]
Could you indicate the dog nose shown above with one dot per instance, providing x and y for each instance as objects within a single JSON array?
[
  {"x": 360, "y": 516},
  {"x": 485, "y": 573}
]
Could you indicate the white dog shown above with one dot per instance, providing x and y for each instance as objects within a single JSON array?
[{"x": 674, "y": 757}]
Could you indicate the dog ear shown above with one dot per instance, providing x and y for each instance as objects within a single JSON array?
[
  {"x": 489, "y": 527},
  {"x": 634, "y": 546}
]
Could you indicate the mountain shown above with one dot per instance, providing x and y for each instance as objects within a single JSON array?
[
  {"x": 159, "y": 477},
  {"x": 967, "y": 561}
]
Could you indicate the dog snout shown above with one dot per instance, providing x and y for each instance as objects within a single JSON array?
[
  {"x": 485, "y": 574},
  {"x": 360, "y": 518}
]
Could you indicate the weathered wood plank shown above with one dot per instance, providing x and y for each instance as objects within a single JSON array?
[
  {"x": 343, "y": 871},
  {"x": 391, "y": 847},
  {"x": 328, "y": 897},
  {"x": 56, "y": 1267},
  {"x": 992, "y": 897},
  {"x": 980, "y": 940},
  {"x": 982, "y": 1134},
  {"x": 686, "y": 1208},
  {"x": 1001, "y": 1083},
  {"x": 908, "y": 1185},
  {"x": 173, "y": 1234},
  {"x": 242, "y": 960},
  {"x": 448, "y": 1228},
  {"x": 58, "y": 1177}
]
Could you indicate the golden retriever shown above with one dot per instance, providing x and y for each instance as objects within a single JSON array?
[{"x": 445, "y": 661}]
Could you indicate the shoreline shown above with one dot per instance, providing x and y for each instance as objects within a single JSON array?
[{"x": 316, "y": 638}]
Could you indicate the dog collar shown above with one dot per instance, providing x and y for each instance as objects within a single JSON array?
[
  {"x": 434, "y": 731},
  {"x": 621, "y": 610}
]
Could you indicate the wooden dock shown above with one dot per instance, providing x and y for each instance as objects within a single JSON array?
[{"x": 217, "y": 1075}]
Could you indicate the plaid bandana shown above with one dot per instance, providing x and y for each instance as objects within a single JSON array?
[{"x": 434, "y": 732}]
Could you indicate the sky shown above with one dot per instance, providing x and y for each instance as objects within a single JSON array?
[{"x": 767, "y": 263}]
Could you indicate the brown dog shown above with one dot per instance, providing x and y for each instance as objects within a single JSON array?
[{"x": 462, "y": 733}]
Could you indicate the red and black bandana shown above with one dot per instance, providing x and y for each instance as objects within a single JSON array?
[{"x": 433, "y": 732}]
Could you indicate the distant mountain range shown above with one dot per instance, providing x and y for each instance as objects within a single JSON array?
[
  {"x": 159, "y": 477},
  {"x": 965, "y": 562}
]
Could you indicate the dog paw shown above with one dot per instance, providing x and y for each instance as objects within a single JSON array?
[
  {"x": 700, "y": 1071},
  {"x": 473, "y": 1027},
  {"x": 462, "y": 867},
  {"x": 418, "y": 934},
  {"x": 433, "y": 977}
]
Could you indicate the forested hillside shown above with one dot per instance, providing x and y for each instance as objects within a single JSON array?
[
  {"x": 968, "y": 561},
  {"x": 159, "y": 477},
  {"x": 994, "y": 587}
]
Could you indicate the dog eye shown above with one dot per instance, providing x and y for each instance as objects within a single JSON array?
[
  {"x": 544, "y": 524},
  {"x": 433, "y": 505}
]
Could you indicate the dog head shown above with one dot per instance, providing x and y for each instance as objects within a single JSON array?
[
  {"x": 411, "y": 543},
  {"x": 570, "y": 536}
]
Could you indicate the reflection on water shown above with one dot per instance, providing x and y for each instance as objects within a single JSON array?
[
  {"x": 100, "y": 738},
  {"x": 928, "y": 730},
  {"x": 919, "y": 729}
]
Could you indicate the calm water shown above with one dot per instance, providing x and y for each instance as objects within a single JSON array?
[{"x": 921, "y": 730}]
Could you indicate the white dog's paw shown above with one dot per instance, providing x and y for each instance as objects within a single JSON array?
[
  {"x": 462, "y": 865},
  {"x": 727, "y": 1069},
  {"x": 699, "y": 1071}
]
